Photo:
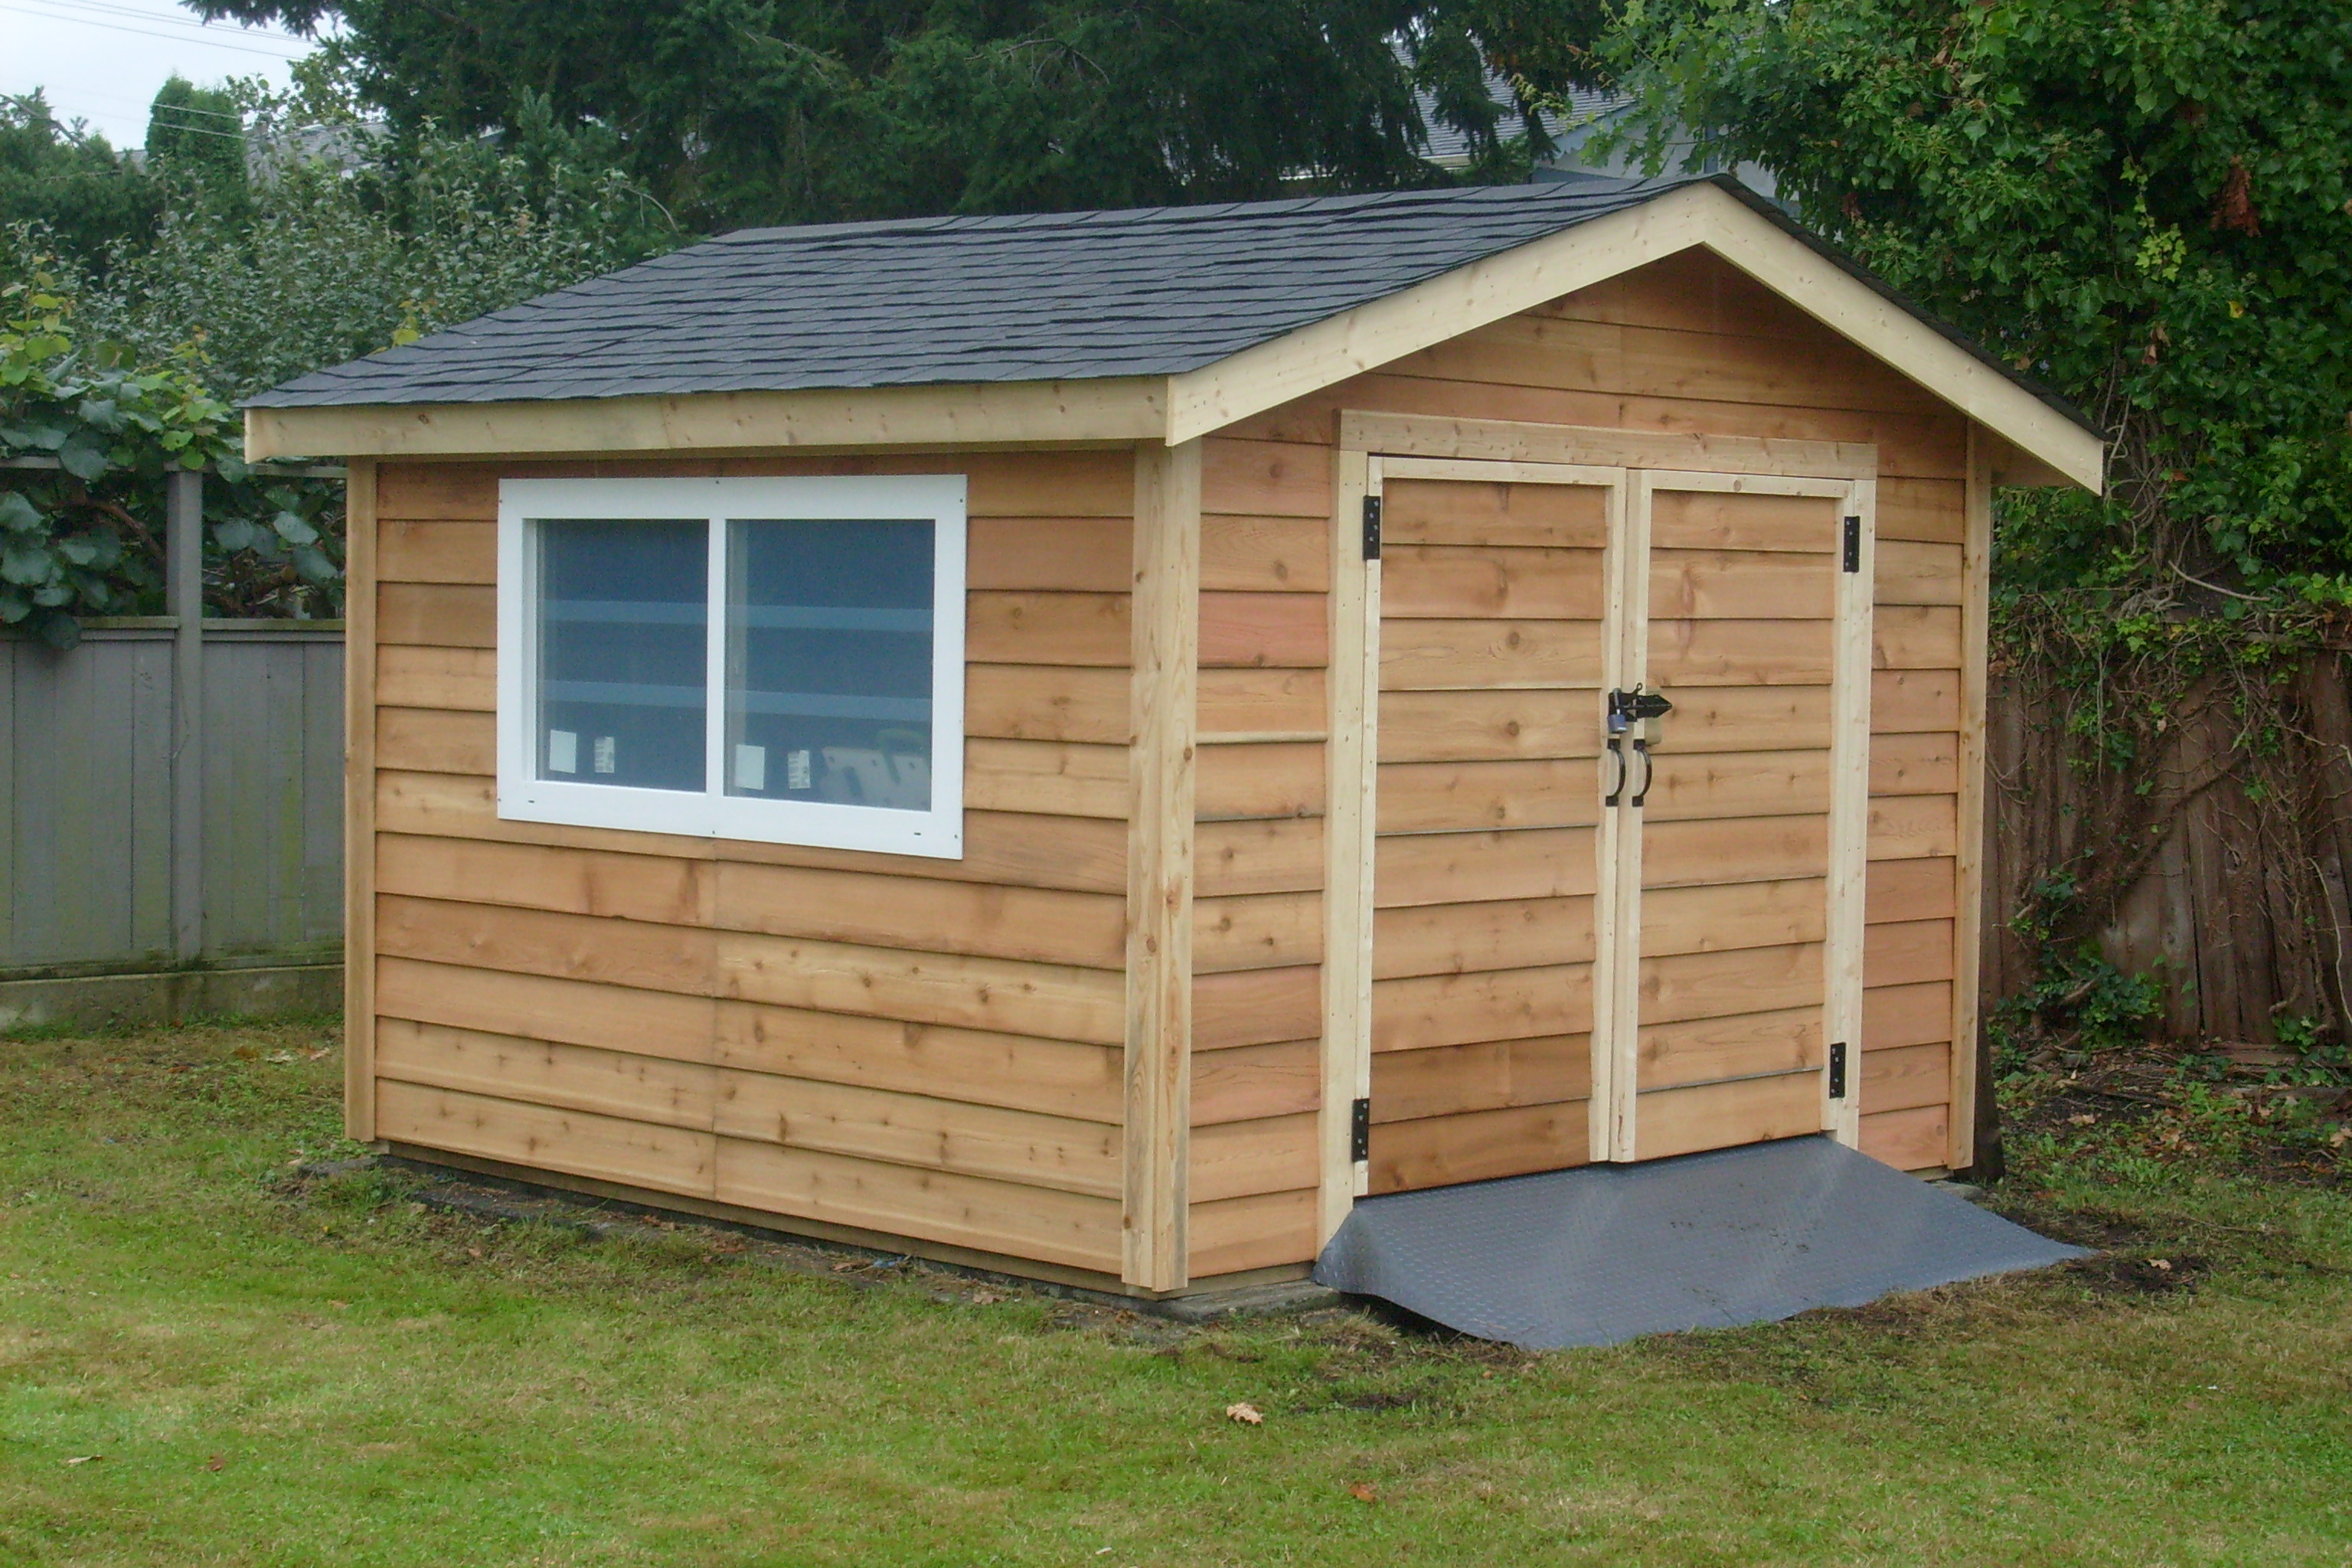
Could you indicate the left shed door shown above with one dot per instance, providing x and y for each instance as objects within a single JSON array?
[{"x": 1492, "y": 599}]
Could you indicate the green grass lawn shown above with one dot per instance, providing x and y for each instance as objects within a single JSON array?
[{"x": 256, "y": 1370}]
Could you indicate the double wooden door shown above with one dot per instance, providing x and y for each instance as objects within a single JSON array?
[{"x": 1618, "y": 769}]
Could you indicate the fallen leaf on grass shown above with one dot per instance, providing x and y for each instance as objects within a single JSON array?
[
  {"x": 473, "y": 1252},
  {"x": 1245, "y": 1413},
  {"x": 84, "y": 1460},
  {"x": 280, "y": 1058},
  {"x": 215, "y": 1462},
  {"x": 985, "y": 1298},
  {"x": 2163, "y": 1263},
  {"x": 1362, "y": 1492}
]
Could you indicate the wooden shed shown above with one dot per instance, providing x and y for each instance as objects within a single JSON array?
[{"x": 1084, "y": 743}]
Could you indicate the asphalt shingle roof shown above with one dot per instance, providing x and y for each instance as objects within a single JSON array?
[{"x": 915, "y": 301}]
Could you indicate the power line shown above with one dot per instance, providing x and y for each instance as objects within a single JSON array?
[
  {"x": 212, "y": 42},
  {"x": 168, "y": 19}
]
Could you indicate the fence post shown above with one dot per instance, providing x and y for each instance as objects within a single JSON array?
[{"x": 184, "y": 597}]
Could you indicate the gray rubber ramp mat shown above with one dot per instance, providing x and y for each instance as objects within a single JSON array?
[{"x": 1606, "y": 1253}]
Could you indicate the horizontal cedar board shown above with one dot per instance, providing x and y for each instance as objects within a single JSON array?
[
  {"x": 1721, "y": 984},
  {"x": 1253, "y": 930},
  {"x": 916, "y": 1130},
  {"x": 978, "y": 919},
  {"x": 436, "y": 551},
  {"x": 1532, "y": 350},
  {"x": 1477, "y": 1146},
  {"x": 1287, "y": 702},
  {"x": 1911, "y": 1076},
  {"x": 543, "y": 1072},
  {"x": 1074, "y": 554},
  {"x": 633, "y": 955},
  {"x": 1932, "y": 511},
  {"x": 1695, "y": 291},
  {"x": 1913, "y": 573},
  {"x": 1913, "y": 445},
  {"x": 1692, "y": 853},
  {"x": 1444, "y": 867},
  {"x": 1501, "y": 934},
  {"x": 1672, "y": 1121},
  {"x": 614, "y": 1149},
  {"x": 1055, "y": 1002},
  {"x": 1902, "y": 826},
  {"x": 436, "y": 614},
  {"x": 1488, "y": 726},
  {"x": 1058, "y": 1078},
  {"x": 1684, "y": 787},
  {"x": 1459, "y": 511},
  {"x": 1702, "y": 919},
  {"x": 1248, "y": 1082},
  {"x": 1914, "y": 636},
  {"x": 436, "y": 741},
  {"x": 1074, "y": 1228},
  {"x": 1715, "y": 520},
  {"x": 464, "y": 677},
  {"x": 1235, "y": 1159},
  {"x": 1275, "y": 778},
  {"x": 1061, "y": 778},
  {"x": 1452, "y": 797},
  {"x": 1480, "y": 655},
  {"x": 658, "y": 888},
  {"x": 1288, "y": 631},
  {"x": 1257, "y": 1232},
  {"x": 616, "y": 1017},
  {"x": 1907, "y": 1139},
  {"x": 1274, "y": 855},
  {"x": 1267, "y": 479},
  {"x": 1257, "y": 1007},
  {"x": 1702, "y": 1050},
  {"x": 1923, "y": 889},
  {"x": 1906, "y": 702},
  {"x": 1022, "y": 849},
  {"x": 1739, "y": 653},
  {"x": 1045, "y": 703},
  {"x": 1412, "y": 1014},
  {"x": 1266, "y": 554},
  {"x": 1450, "y": 582},
  {"x": 1485, "y": 1075},
  {"x": 1906, "y": 953},
  {"x": 1746, "y": 719},
  {"x": 1740, "y": 585},
  {"x": 1894, "y": 1016},
  {"x": 1002, "y": 484},
  {"x": 1046, "y": 628},
  {"x": 1923, "y": 764}
]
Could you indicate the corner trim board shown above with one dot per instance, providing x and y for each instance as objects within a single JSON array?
[{"x": 359, "y": 802}]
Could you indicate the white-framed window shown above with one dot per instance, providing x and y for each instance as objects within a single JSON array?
[{"x": 763, "y": 658}]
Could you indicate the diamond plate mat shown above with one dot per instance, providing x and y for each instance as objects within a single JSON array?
[{"x": 1606, "y": 1253}]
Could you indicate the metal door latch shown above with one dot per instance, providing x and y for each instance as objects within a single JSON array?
[{"x": 1627, "y": 711}]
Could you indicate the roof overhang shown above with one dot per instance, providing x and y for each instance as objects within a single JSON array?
[{"x": 2043, "y": 444}]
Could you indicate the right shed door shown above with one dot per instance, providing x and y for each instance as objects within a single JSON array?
[{"x": 1733, "y": 936}]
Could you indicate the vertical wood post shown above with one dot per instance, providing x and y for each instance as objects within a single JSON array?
[
  {"x": 1962, "y": 1145},
  {"x": 1166, "y": 649},
  {"x": 359, "y": 801},
  {"x": 184, "y": 597},
  {"x": 1849, "y": 858},
  {"x": 1348, "y": 843}
]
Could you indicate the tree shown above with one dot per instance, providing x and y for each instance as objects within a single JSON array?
[
  {"x": 82, "y": 193},
  {"x": 743, "y": 111},
  {"x": 196, "y": 131}
]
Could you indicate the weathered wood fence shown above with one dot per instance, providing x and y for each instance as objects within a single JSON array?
[{"x": 2240, "y": 911}]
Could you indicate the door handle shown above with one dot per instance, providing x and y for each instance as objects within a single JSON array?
[
  {"x": 1617, "y": 790},
  {"x": 1649, "y": 770}
]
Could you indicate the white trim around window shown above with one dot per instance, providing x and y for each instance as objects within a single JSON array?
[{"x": 783, "y": 697}]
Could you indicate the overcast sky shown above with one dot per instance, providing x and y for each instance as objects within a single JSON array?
[{"x": 101, "y": 60}]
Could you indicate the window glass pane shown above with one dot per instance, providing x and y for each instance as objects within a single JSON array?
[
  {"x": 829, "y": 661},
  {"x": 622, "y": 650}
]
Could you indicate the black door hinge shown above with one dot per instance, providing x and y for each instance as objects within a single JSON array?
[
  {"x": 1853, "y": 544},
  {"x": 1372, "y": 527},
  {"x": 1360, "y": 1129},
  {"x": 1837, "y": 1070}
]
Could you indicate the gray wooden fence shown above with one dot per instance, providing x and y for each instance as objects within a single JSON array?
[{"x": 92, "y": 878}]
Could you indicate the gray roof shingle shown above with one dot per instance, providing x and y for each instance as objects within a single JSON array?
[{"x": 915, "y": 301}]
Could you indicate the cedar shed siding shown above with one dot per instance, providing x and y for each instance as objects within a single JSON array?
[{"x": 917, "y": 1048}]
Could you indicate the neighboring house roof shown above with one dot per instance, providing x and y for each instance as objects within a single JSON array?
[{"x": 1187, "y": 318}]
